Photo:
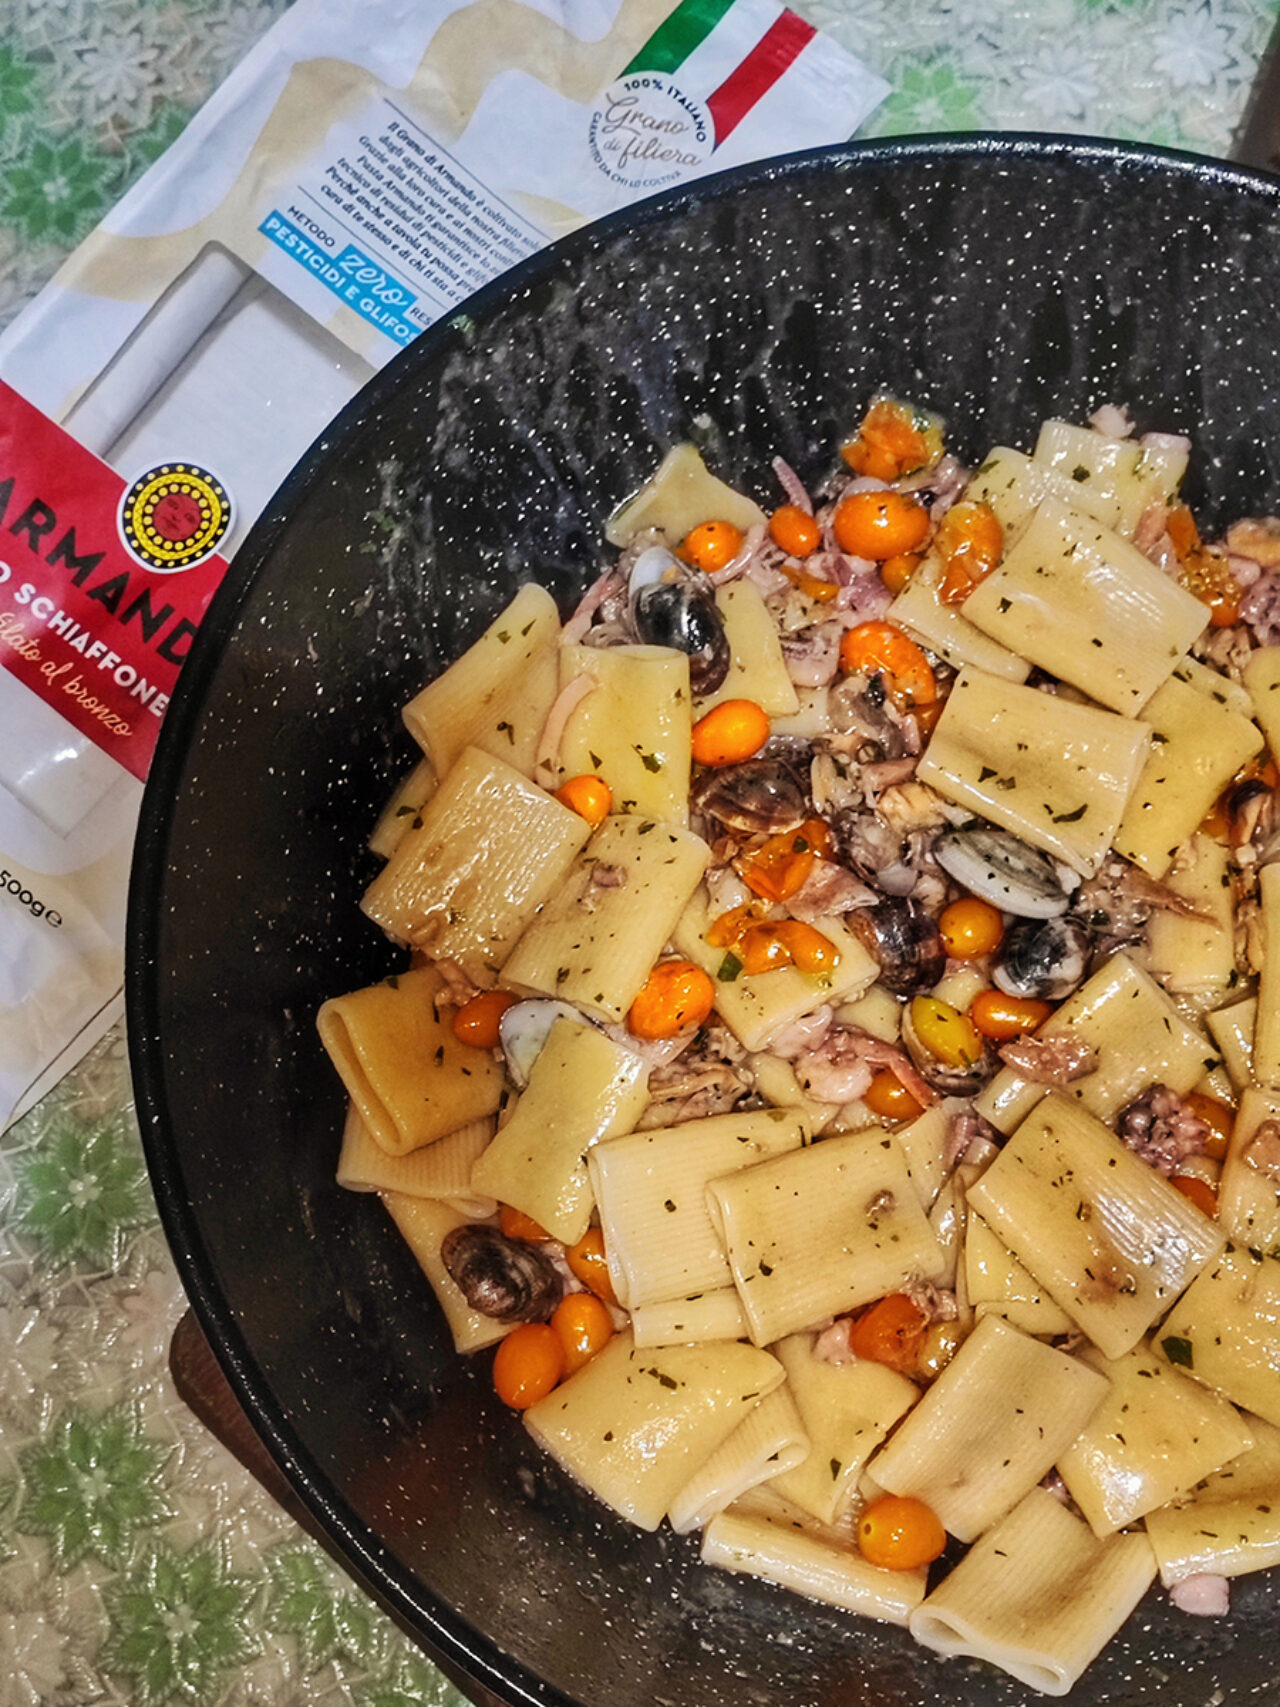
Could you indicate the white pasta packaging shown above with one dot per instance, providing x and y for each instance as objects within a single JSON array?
[{"x": 368, "y": 166}]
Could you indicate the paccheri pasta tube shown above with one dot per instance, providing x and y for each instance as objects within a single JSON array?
[{"x": 843, "y": 971}]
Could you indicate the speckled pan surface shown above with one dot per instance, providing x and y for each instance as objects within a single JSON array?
[{"x": 998, "y": 281}]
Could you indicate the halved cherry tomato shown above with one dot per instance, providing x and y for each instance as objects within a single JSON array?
[
  {"x": 584, "y": 1326},
  {"x": 589, "y": 1264},
  {"x": 732, "y": 731},
  {"x": 890, "y": 1332},
  {"x": 778, "y": 868},
  {"x": 1002, "y": 1018},
  {"x": 812, "y": 586},
  {"x": 527, "y": 1364},
  {"x": 1202, "y": 570},
  {"x": 711, "y": 545},
  {"x": 786, "y": 942},
  {"x": 969, "y": 542},
  {"x": 1197, "y": 1191},
  {"x": 888, "y": 1097},
  {"x": 675, "y": 996},
  {"x": 892, "y": 441},
  {"x": 476, "y": 1021},
  {"x": 587, "y": 795},
  {"x": 1219, "y": 1117},
  {"x": 795, "y": 530},
  {"x": 970, "y": 928},
  {"x": 899, "y": 1533},
  {"x": 879, "y": 524},
  {"x": 881, "y": 648}
]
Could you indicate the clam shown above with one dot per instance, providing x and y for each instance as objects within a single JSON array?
[
  {"x": 762, "y": 796},
  {"x": 1045, "y": 958},
  {"x": 905, "y": 942},
  {"x": 1009, "y": 873},
  {"x": 523, "y": 1030},
  {"x": 670, "y": 607},
  {"x": 503, "y": 1278}
]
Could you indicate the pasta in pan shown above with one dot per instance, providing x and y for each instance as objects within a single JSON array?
[{"x": 837, "y": 1072}]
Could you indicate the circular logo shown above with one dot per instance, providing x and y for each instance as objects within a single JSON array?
[
  {"x": 646, "y": 132},
  {"x": 174, "y": 516}
]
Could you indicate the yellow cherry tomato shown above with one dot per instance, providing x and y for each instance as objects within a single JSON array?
[
  {"x": 899, "y": 1533},
  {"x": 711, "y": 545},
  {"x": 584, "y": 1325},
  {"x": 1002, "y": 1018},
  {"x": 589, "y": 1264},
  {"x": 732, "y": 731},
  {"x": 589, "y": 796},
  {"x": 476, "y": 1022},
  {"x": 528, "y": 1364},
  {"x": 676, "y": 995},
  {"x": 795, "y": 530},
  {"x": 970, "y": 928},
  {"x": 877, "y": 525},
  {"x": 950, "y": 1036}
]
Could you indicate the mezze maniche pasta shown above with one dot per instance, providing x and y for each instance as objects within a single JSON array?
[{"x": 838, "y": 1033}]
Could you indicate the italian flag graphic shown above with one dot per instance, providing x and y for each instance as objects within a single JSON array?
[{"x": 766, "y": 48}]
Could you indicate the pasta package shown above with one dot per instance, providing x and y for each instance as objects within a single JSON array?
[{"x": 835, "y": 1077}]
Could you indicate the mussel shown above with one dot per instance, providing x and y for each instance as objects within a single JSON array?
[
  {"x": 1045, "y": 958},
  {"x": 670, "y": 607},
  {"x": 905, "y": 942},
  {"x": 503, "y": 1278}
]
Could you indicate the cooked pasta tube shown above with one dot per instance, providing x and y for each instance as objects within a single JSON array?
[
  {"x": 1108, "y": 1237},
  {"x": 944, "y": 629},
  {"x": 407, "y": 1075},
  {"x": 405, "y": 805},
  {"x": 1225, "y": 1328},
  {"x": 1230, "y": 1525},
  {"x": 582, "y": 1087},
  {"x": 1140, "y": 1037},
  {"x": 680, "y": 493},
  {"x": 1232, "y": 1031},
  {"x": 633, "y": 728},
  {"x": 1195, "y": 957},
  {"x": 820, "y": 1231},
  {"x": 1055, "y": 773},
  {"x": 467, "y": 877},
  {"x": 424, "y": 1223},
  {"x": 441, "y": 1170},
  {"x": 769, "y": 1438},
  {"x": 1155, "y": 1435},
  {"x": 715, "y": 1315},
  {"x": 651, "y": 1191},
  {"x": 992, "y": 1424},
  {"x": 847, "y": 1409},
  {"x": 997, "y": 1284},
  {"x": 757, "y": 669},
  {"x": 496, "y": 696},
  {"x": 1262, "y": 682},
  {"x": 923, "y": 1142},
  {"x": 1115, "y": 480},
  {"x": 1199, "y": 742},
  {"x": 808, "y": 1564},
  {"x": 634, "y": 1426},
  {"x": 1014, "y": 485},
  {"x": 1266, "y": 1032},
  {"x": 1038, "y": 1595},
  {"x": 1249, "y": 1188},
  {"x": 1088, "y": 607},
  {"x": 596, "y": 940}
]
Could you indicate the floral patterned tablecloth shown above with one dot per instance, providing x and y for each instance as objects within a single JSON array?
[{"x": 140, "y": 1565}]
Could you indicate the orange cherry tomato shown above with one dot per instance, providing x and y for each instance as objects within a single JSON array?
[
  {"x": 588, "y": 1263},
  {"x": 970, "y": 928},
  {"x": 676, "y": 995},
  {"x": 795, "y": 530},
  {"x": 890, "y": 1332},
  {"x": 881, "y": 648},
  {"x": 877, "y": 525},
  {"x": 1197, "y": 1191},
  {"x": 584, "y": 1325},
  {"x": 899, "y": 1533},
  {"x": 888, "y": 1097},
  {"x": 528, "y": 1364},
  {"x": 969, "y": 542},
  {"x": 711, "y": 545},
  {"x": 732, "y": 731},
  {"x": 895, "y": 572},
  {"x": 1203, "y": 571},
  {"x": 517, "y": 1225},
  {"x": 1002, "y": 1018},
  {"x": 476, "y": 1021},
  {"x": 589, "y": 796},
  {"x": 1219, "y": 1117},
  {"x": 892, "y": 441}
]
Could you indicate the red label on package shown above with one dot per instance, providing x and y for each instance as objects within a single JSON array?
[{"x": 103, "y": 582}]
